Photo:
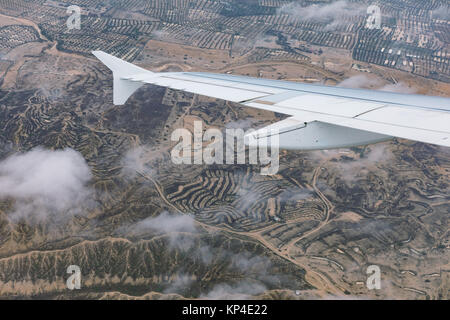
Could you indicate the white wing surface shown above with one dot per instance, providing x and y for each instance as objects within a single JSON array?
[{"x": 322, "y": 117}]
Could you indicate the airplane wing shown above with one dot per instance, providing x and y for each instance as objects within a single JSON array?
[{"x": 322, "y": 117}]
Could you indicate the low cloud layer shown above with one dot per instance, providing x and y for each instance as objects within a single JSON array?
[
  {"x": 242, "y": 291},
  {"x": 244, "y": 124},
  {"x": 378, "y": 154},
  {"x": 360, "y": 81},
  {"x": 175, "y": 226},
  {"x": 167, "y": 223},
  {"x": 140, "y": 159},
  {"x": 358, "y": 168},
  {"x": 331, "y": 13},
  {"x": 295, "y": 194},
  {"x": 365, "y": 82},
  {"x": 182, "y": 232},
  {"x": 45, "y": 183},
  {"x": 443, "y": 12},
  {"x": 399, "y": 87},
  {"x": 160, "y": 34}
]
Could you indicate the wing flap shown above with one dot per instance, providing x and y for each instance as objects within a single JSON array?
[
  {"x": 425, "y": 125},
  {"x": 280, "y": 127},
  {"x": 394, "y": 130},
  {"x": 296, "y": 134}
]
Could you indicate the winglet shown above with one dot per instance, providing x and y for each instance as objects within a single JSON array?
[{"x": 122, "y": 88}]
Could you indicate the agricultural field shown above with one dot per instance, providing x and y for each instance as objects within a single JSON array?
[{"x": 146, "y": 228}]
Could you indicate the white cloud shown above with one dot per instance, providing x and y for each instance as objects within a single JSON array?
[
  {"x": 160, "y": 34},
  {"x": 331, "y": 13},
  {"x": 359, "y": 81},
  {"x": 167, "y": 223},
  {"x": 175, "y": 226},
  {"x": 443, "y": 12},
  {"x": 363, "y": 81},
  {"x": 45, "y": 182},
  {"x": 139, "y": 159},
  {"x": 180, "y": 283},
  {"x": 179, "y": 229},
  {"x": 378, "y": 154},
  {"x": 399, "y": 87},
  {"x": 243, "y": 291},
  {"x": 246, "y": 197},
  {"x": 248, "y": 263},
  {"x": 240, "y": 124},
  {"x": 295, "y": 194}
]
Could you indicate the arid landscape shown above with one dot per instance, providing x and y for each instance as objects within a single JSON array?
[{"x": 87, "y": 183}]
